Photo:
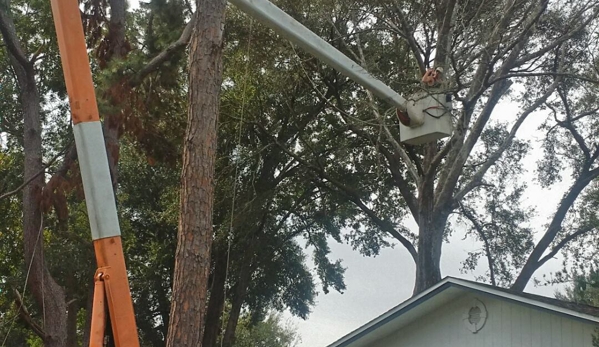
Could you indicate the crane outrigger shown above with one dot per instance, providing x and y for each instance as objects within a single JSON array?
[{"x": 111, "y": 289}]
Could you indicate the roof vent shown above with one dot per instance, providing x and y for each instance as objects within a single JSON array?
[{"x": 475, "y": 316}]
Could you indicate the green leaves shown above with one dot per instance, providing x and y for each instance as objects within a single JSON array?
[{"x": 271, "y": 332}]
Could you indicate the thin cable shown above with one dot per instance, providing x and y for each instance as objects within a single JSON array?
[
  {"x": 237, "y": 174},
  {"x": 43, "y": 283},
  {"x": 14, "y": 319}
]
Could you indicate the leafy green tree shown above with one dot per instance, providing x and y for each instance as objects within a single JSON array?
[
  {"x": 39, "y": 130},
  {"x": 304, "y": 155},
  {"x": 584, "y": 289},
  {"x": 354, "y": 151},
  {"x": 272, "y": 332}
]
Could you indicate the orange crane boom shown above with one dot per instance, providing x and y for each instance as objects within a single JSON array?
[{"x": 111, "y": 282}]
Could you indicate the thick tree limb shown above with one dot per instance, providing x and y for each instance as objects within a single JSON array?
[
  {"x": 436, "y": 161},
  {"x": 564, "y": 242},
  {"x": 450, "y": 178},
  {"x": 480, "y": 230},
  {"x": 533, "y": 261},
  {"x": 24, "y": 184},
  {"x": 459, "y": 151},
  {"x": 445, "y": 29},
  {"x": 353, "y": 196},
  {"x": 568, "y": 125},
  {"x": 9, "y": 34},
  {"x": 165, "y": 55},
  {"x": 493, "y": 158},
  {"x": 446, "y": 187}
]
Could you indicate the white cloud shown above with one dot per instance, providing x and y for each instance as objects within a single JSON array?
[{"x": 133, "y": 4}]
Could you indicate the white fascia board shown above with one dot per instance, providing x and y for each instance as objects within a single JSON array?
[
  {"x": 523, "y": 300},
  {"x": 294, "y": 31},
  {"x": 97, "y": 183}
]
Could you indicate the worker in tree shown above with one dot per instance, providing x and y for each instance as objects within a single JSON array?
[{"x": 432, "y": 77}]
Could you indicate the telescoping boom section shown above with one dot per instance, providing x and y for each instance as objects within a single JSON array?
[
  {"x": 112, "y": 285},
  {"x": 424, "y": 117}
]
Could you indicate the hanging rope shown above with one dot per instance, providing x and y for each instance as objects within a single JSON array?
[
  {"x": 14, "y": 319},
  {"x": 237, "y": 173}
]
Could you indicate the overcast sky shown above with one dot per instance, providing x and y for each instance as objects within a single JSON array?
[{"x": 375, "y": 285}]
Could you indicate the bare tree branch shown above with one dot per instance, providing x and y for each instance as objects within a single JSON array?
[
  {"x": 564, "y": 242},
  {"x": 543, "y": 74},
  {"x": 493, "y": 158},
  {"x": 353, "y": 196},
  {"x": 560, "y": 40},
  {"x": 7, "y": 28},
  {"x": 26, "y": 316},
  {"x": 29, "y": 180},
  {"x": 165, "y": 55},
  {"x": 480, "y": 230},
  {"x": 406, "y": 31},
  {"x": 533, "y": 261}
]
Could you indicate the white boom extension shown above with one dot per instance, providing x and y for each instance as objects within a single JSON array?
[
  {"x": 294, "y": 31},
  {"x": 437, "y": 126}
]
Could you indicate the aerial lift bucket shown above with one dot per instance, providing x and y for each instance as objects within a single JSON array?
[{"x": 430, "y": 118}]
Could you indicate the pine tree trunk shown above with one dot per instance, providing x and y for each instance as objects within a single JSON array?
[{"x": 192, "y": 259}]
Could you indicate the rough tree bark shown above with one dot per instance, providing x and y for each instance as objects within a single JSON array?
[
  {"x": 428, "y": 270},
  {"x": 48, "y": 295},
  {"x": 192, "y": 259}
]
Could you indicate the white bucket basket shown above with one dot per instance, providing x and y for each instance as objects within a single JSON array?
[{"x": 430, "y": 116}]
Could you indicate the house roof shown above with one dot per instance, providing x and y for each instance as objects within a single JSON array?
[{"x": 450, "y": 289}]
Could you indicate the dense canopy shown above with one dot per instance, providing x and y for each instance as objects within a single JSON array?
[{"x": 302, "y": 156}]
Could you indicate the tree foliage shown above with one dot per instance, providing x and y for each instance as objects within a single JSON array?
[
  {"x": 304, "y": 156},
  {"x": 268, "y": 333}
]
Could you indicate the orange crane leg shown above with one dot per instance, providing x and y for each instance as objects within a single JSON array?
[{"x": 111, "y": 283}]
